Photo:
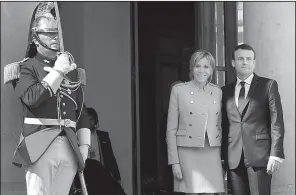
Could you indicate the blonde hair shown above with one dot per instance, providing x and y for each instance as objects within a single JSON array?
[{"x": 196, "y": 57}]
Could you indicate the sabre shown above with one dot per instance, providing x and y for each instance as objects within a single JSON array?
[
  {"x": 62, "y": 49},
  {"x": 61, "y": 40}
]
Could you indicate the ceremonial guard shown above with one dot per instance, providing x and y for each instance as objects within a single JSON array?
[{"x": 55, "y": 135}]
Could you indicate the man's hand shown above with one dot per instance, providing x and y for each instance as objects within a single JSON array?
[
  {"x": 63, "y": 64},
  {"x": 84, "y": 151},
  {"x": 177, "y": 171},
  {"x": 272, "y": 166}
]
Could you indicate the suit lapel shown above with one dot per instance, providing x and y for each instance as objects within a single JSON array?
[
  {"x": 252, "y": 89},
  {"x": 232, "y": 90}
]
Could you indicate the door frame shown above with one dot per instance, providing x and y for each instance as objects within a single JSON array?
[
  {"x": 205, "y": 14},
  {"x": 136, "y": 158}
]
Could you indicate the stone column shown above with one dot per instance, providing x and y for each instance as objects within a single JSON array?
[{"x": 270, "y": 28}]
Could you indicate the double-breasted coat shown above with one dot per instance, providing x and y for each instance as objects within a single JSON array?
[
  {"x": 191, "y": 115},
  {"x": 194, "y": 137}
]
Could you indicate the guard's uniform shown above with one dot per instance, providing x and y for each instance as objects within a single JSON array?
[
  {"x": 42, "y": 131},
  {"x": 55, "y": 135}
]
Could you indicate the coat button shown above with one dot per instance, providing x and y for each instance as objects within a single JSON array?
[
  {"x": 190, "y": 125},
  {"x": 217, "y": 113},
  {"x": 216, "y": 125},
  {"x": 191, "y": 93},
  {"x": 191, "y": 113},
  {"x": 64, "y": 104},
  {"x": 69, "y": 92},
  {"x": 191, "y": 102},
  {"x": 61, "y": 96},
  {"x": 64, "y": 113},
  {"x": 190, "y": 137},
  {"x": 214, "y": 102}
]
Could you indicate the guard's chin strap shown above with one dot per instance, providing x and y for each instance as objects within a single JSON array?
[{"x": 43, "y": 44}]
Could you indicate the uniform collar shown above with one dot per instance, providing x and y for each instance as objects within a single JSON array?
[
  {"x": 45, "y": 60},
  {"x": 247, "y": 80},
  {"x": 205, "y": 88}
]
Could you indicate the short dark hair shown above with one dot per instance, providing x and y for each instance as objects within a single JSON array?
[
  {"x": 243, "y": 47},
  {"x": 92, "y": 112}
]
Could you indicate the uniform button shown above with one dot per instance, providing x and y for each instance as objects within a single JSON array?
[
  {"x": 190, "y": 125},
  {"x": 190, "y": 137},
  {"x": 214, "y": 102},
  {"x": 61, "y": 96},
  {"x": 64, "y": 113},
  {"x": 64, "y": 104},
  {"x": 191, "y": 92},
  {"x": 211, "y": 93},
  {"x": 216, "y": 125},
  {"x": 191, "y": 102},
  {"x": 203, "y": 114},
  {"x": 217, "y": 113},
  {"x": 69, "y": 92},
  {"x": 191, "y": 113}
]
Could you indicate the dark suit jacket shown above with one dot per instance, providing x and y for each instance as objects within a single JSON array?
[
  {"x": 260, "y": 128},
  {"x": 108, "y": 157},
  {"x": 99, "y": 180}
]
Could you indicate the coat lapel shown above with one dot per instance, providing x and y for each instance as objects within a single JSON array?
[
  {"x": 232, "y": 88},
  {"x": 252, "y": 89}
]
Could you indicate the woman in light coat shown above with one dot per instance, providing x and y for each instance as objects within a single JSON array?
[{"x": 194, "y": 130}]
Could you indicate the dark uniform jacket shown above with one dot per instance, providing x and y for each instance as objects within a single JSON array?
[{"x": 39, "y": 102}]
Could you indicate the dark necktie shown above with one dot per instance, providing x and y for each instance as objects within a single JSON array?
[{"x": 241, "y": 97}]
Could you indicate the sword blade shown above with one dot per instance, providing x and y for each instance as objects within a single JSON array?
[{"x": 61, "y": 40}]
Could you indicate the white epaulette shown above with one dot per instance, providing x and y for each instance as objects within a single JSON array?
[{"x": 12, "y": 71}]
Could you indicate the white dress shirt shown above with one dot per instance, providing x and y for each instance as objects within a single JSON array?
[{"x": 238, "y": 87}]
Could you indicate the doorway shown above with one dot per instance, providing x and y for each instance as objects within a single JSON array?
[
  {"x": 165, "y": 40},
  {"x": 166, "y": 34}
]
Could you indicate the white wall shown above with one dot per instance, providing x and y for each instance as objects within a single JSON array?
[
  {"x": 107, "y": 60},
  {"x": 270, "y": 28},
  {"x": 15, "y": 20}
]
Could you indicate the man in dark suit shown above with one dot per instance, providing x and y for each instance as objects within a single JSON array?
[
  {"x": 101, "y": 148},
  {"x": 253, "y": 127},
  {"x": 101, "y": 170}
]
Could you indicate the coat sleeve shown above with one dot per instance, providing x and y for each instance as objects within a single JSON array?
[
  {"x": 277, "y": 121},
  {"x": 225, "y": 129},
  {"x": 32, "y": 92},
  {"x": 172, "y": 126},
  {"x": 220, "y": 113},
  {"x": 81, "y": 113}
]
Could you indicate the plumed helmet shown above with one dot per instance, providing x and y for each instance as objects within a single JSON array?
[
  {"x": 45, "y": 18},
  {"x": 43, "y": 21}
]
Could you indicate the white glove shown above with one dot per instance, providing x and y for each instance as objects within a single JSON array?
[
  {"x": 177, "y": 171},
  {"x": 63, "y": 65},
  {"x": 84, "y": 151}
]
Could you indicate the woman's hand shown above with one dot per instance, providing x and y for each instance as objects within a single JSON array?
[{"x": 177, "y": 171}]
